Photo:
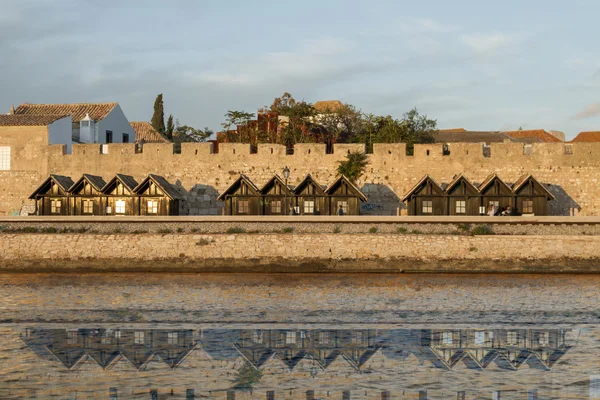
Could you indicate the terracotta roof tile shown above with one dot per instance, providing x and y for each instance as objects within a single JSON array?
[
  {"x": 328, "y": 105},
  {"x": 477, "y": 137},
  {"x": 29, "y": 120},
  {"x": 452, "y": 130},
  {"x": 590, "y": 136},
  {"x": 541, "y": 134},
  {"x": 144, "y": 131},
  {"x": 97, "y": 111}
]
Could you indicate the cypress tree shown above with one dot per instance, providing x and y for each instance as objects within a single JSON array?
[
  {"x": 170, "y": 127},
  {"x": 158, "y": 118}
]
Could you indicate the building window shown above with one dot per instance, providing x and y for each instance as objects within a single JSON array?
[
  {"x": 482, "y": 210},
  {"x": 154, "y": 395},
  {"x": 112, "y": 392},
  {"x": 309, "y": 207},
  {"x": 346, "y": 395},
  {"x": 257, "y": 336},
  {"x": 190, "y": 394},
  {"x": 356, "y": 337},
  {"x": 385, "y": 395},
  {"x": 230, "y": 395},
  {"x": 427, "y": 207},
  {"x": 106, "y": 338},
  {"x": 152, "y": 206},
  {"x": 290, "y": 338},
  {"x": 462, "y": 395},
  {"x": 532, "y": 394},
  {"x": 310, "y": 395},
  {"x": 511, "y": 338},
  {"x": 344, "y": 205},
  {"x": 544, "y": 338},
  {"x": 55, "y": 206},
  {"x": 139, "y": 337},
  {"x": 117, "y": 334},
  {"x": 270, "y": 395},
  {"x": 276, "y": 207},
  {"x": 422, "y": 394},
  {"x": 88, "y": 206},
  {"x": 568, "y": 149},
  {"x": 109, "y": 137},
  {"x": 72, "y": 337},
  {"x": 126, "y": 138},
  {"x": 479, "y": 338},
  {"x": 527, "y": 206},
  {"x": 323, "y": 338},
  {"x": 85, "y": 124},
  {"x": 120, "y": 206},
  {"x": 172, "y": 337},
  {"x": 447, "y": 337},
  {"x": 243, "y": 207},
  {"x": 461, "y": 207},
  {"x": 494, "y": 203},
  {"x": 4, "y": 158}
]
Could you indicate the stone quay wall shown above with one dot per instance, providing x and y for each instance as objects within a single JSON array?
[
  {"x": 281, "y": 252},
  {"x": 569, "y": 171}
]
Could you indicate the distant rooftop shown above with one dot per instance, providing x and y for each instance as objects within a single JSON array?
[
  {"x": 464, "y": 136},
  {"x": 146, "y": 133},
  {"x": 96, "y": 111},
  {"x": 590, "y": 136},
  {"x": 541, "y": 134},
  {"x": 328, "y": 105},
  {"x": 29, "y": 120}
]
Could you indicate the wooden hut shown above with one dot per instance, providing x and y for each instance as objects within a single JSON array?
[
  {"x": 241, "y": 198},
  {"x": 119, "y": 197},
  {"x": 277, "y": 198},
  {"x": 343, "y": 193},
  {"x": 310, "y": 197},
  {"x": 495, "y": 192},
  {"x": 52, "y": 196},
  {"x": 426, "y": 198},
  {"x": 463, "y": 198},
  {"x": 156, "y": 196},
  {"x": 86, "y": 196},
  {"x": 531, "y": 197}
]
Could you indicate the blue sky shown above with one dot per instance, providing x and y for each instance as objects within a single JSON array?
[{"x": 472, "y": 64}]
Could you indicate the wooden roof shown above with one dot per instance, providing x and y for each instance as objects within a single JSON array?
[
  {"x": 162, "y": 183},
  {"x": 457, "y": 179},
  {"x": 526, "y": 178},
  {"x": 418, "y": 185},
  {"x": 64, "y": 182},
  {"x": 128, "y": 181},
  {"x": 96, "y": 181},
  {"x": 29, "y": 120},
  {"x": 78, "y": 111},
  {"x": 489, "y": 180},
  {"x": 343, "y": 178},
  {"x": 276, "y": 178},
  {"x": 233, "y": 187},
  {"x": 307, "y": 180}
]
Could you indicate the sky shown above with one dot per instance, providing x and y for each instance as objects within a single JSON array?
[{"x": 479, "y": 65}]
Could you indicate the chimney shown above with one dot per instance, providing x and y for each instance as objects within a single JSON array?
[{"x": 12, "y": 110}]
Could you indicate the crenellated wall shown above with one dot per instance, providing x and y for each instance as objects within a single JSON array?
[{"x": 570, "y": 171}]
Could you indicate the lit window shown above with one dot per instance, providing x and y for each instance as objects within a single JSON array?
[
  {"x": 344, "y": 205},
  {"x": 120, "y": 206},
  {"x": 461, "y": 207},
  {"x": 494, "y": 203},
  {"x": 172, "y": 337},
  {"x": 152, "y": 206},
  {"x": 276, "y": 207},
  {"x": 447, "y": 337},
  {"x": 479, "y": 337},
  {"x": 55, "y": 206},
  {"x": 290, "y": 338},
  {"x": 117, "y": 334},
  {"x": 106, "y": 338},
  {"x": 511, "y": 338},
  {"x": 544, "y": 338},
  {"x": 4, "y": 158},
  {"x": 324, "y": 337},
  {"x": 427, "y": 207},
  {"x": 88, "y": 206},
  {"x": 527, "y": 206},
  {"x": 139, "y": 337},
  {"x": 243, "y": 207},
  {"x": 309, "y": 207}
]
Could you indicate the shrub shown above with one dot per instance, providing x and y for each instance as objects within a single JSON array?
[
  {"x": 236, "y": 229},
  {"x": 165, "y": 230},
  {"x": 373, "y": 229},
  {"x": 416, "y": 232},
  {"x": 180, "y": 230},
  {"x": 194, "y": 230},
  {"x": 50, "y": 229},
  {"x": 138, "y": 232},
  {"x": 30, "y": 229},
  {"x": 463, "y": 227},
  {"x": 202, "y": 242},
  {"x": 81, "y": 230},
  {"x": 482, "y": 230},
  {"x": 472, "y": 248},
  {"x": 65, "y": 230},
  {"x": 288, "y": 229},
  {"x": 337, "y": 229},
  {"x": 401, "y": 230},
  {"x": 117, "y": 230}
]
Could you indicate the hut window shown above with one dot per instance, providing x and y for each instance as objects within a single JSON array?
[
  {"x": 276, "y": 207},
  {"x": 494, "y": 203},
  {"x": 113, "y": 393},
  {"x": 544, "y": 338},
  {"x": 243, "y": 207},
  {"x": 309, "y": 207},
  {"x": 55, "y": 206},
  {"x": 481, "y": 210},
  {"x": 511, "y": 338},
  {"x": 323, "y": 338},
  {"x": 172, "y": 337},
  {"x": 120, "y": 206},
  {"x": 139, "y": 337},
  {"x": 88, "y": 206},
  {"x": 461, "y": 207},
  {"x": 427, "y": 207},
  {"x": 152, "y": 206},
  {"x": 447, "y": 337},
  {"x": 290, "y": 338},
  {"x": 117, "y": 334},
  {"x": 344, "y": 205},
  {"x": 528, "y": 206},
  {"x": 479, "y": 337}
]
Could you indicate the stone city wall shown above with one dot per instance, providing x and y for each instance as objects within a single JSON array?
[
  {"x": 281, "y": 252},
  {"x": 569, "y": 171}
]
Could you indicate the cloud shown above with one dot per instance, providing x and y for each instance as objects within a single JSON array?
[
  {"x": 423, "y": 25},
  {"x": 591, "y": 111},
  {"x": 487, "y": 43}
]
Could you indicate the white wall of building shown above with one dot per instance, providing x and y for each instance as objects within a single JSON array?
[
  {"x": 117, "y": 123},
  {"x": 60, "y": 131}
]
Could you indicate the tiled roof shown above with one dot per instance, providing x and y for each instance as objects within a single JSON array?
[
  {"x": 451, "y": 130},
  {"x": 328, "y": 105},
  {"x": 476, "y": 137},
  {"x": 97, "y": 111},
  {"x": 541, "y": 134},
  {"x": 146, "y": 133},
  {"x": 590, "y": 136},
  {"x": 29, "y": 120}
]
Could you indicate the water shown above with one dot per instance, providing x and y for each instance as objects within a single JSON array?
[{"x": 299, "y": 336}]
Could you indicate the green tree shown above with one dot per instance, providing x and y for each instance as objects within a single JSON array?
[
  {"x": 158, "y": 118},
  {"x": 170, "y": 127},
  {"x": 417, "y": 129},
  {"x": 238, "y": 120},
  {"x": 186, "y": 133},
  {"x": 354, "y": 166}
]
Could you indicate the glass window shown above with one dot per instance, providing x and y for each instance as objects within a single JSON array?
[
  {"x": 427, "y": 207},
  {"x": 344, "y": 205},
  {"x": 190, "y": 394},
  {"x": 85, "y": 124},
  {"x": 482, "y": 210},
  {"x": 88, "y": 206},
  {"x": 117, "y": 334},
  {"x": 527, "y": 206},
  {"x": 112, "y": 392},
  {"x": 494, "y": 203},
  {"x": 290, "y": 338},
  {"x": 125, "y": 138},
  {"x": 324, "y": 337},
  {"x": 257, "y": 336},
  {"x": 511, "y": 338},
  {"x": 447, "y": 337},
  {"x": 243, "y": 207},
  {"x": 270, "y": 395},
  {"x": 461, "y": 206},
  {"x": 55, "y": 206},
  {"x": 120, "y": 206},
  {"x": 139, "y": 337},
  {"x": 356, "y": 337},
  {"x": 276, "y": 207},
  {"x": 152, "y": 206},
  {"x": 4, "y": 158},
  {"x": 172, "y": 337},
  {"x": 544, "y": 338},
  {"x": 309, "y": 207},
  {"x": 72, "y": 337},
  {"x": 479, "y": 337}
]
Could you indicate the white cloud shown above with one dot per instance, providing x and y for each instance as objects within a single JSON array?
[
  {"x": 593, "y": 110},
  {"x": 487, "y": 43}
]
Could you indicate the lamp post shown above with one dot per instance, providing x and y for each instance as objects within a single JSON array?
[{"x": 286, "y": 175}]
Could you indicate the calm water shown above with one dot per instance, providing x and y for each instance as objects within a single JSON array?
[{"x": 299, "y": 337}]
